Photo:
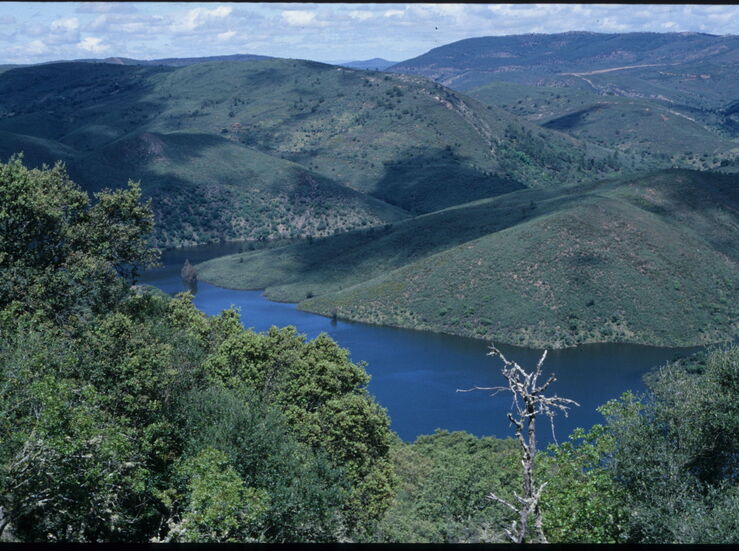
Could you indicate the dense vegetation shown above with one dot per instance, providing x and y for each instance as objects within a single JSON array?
[
  {"x": 662, "y": 469},
  {"x": 127, "y": 415},
  {"x": 650, "y": 259},
  {"x": 274, "y": 148}
]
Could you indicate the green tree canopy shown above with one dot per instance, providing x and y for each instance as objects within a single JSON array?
[
  {"x": 62, "y": 254},
  {"x": 126, "y": 415}
]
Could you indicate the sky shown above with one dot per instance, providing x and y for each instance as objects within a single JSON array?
[{"x": 33, "y": 32}]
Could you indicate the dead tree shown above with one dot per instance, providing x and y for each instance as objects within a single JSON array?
[
  {"x": 528, "y": 401},
  {"x": 189, "y": 277}
]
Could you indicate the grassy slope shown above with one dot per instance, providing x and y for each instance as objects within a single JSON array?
[
  {"x": 647, "y": 127},
  {"x": 668, "y": 100},
  {"x": 327, "y": 265},
  {"x": 701, "y": 85},
  {"x": 258, "y": 195},
  {"x": 652, "y": 260},
  {"x": 205, "y": 187},
  {"x": 403, "y": 140}
]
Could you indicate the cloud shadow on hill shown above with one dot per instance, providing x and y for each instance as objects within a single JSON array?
[{"x": 425, "y": 180}]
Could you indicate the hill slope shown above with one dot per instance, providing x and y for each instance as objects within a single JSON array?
[
  {"x": 403, "y": 140},
  {"x": 663, "y": 96},
  {"x": 651, "y": 260},
  {"x": 650, "y": 128},
  {"x": 529, "y": 58}
]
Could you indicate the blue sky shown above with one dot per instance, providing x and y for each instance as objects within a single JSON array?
[{"x": 36, "y": 32}]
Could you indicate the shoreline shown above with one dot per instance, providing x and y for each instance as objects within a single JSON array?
[{"x": 481, "y": 339}]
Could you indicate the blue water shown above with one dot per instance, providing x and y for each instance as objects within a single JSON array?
[{"x": 415, "y": 374}]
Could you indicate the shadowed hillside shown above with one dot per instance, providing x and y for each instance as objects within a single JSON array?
[
  {"x": 666, "y": 97},
  {"x": 232, "y": 144},
  {"x": 652, "y": 260}
]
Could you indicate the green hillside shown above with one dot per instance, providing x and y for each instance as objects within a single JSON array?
[
  {"x": 665, "y": 96},
  {"x": 649, "y": 260},
  {"x": 241, "y": 192},
  {"x": 703, "y": 84},
  {"x": 665, "y": 134},
  {"x": 280, "y": 123}
]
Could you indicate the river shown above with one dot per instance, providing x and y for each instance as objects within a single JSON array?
[{"x": 415, "y": 374}]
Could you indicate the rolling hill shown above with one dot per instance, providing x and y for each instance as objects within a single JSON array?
[
  {"x": 534, "y": 58},
  {"x": 274, "y": 148},
  {"x": 666, "y": 96},
  {"x": 700, "y": 140},
  {"x": 647, "y": 260}
]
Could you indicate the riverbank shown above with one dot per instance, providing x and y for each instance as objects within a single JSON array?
[{"x": 432, "y": 366}]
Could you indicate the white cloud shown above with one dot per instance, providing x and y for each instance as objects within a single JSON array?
[
  {"x": 94, "y": 45},
  {"x": 228, "y": 35},
  {"x": 106, "y": 7},
  {"x": 63, "y": 31},
  {"x": 393, "y": 13},
  {"x": 127, "y": 24},
  {"x": 68, "y": 24},
  {"x": 612, "y": 24},
  {"x": 36, "y": 48},
  {"x": 361, "y": 15},
  {"x": 198, "y": 17},
  {"x": 300, "y": 18},
  {"x": 456, "y": 10}
]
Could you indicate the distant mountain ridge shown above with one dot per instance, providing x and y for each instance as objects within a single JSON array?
[
  {"x": 376, "y": 64},
  {"x": 170, "y": 61},
  {"x": 668, "y": 96},
  {"x": 528, "y": 58}
]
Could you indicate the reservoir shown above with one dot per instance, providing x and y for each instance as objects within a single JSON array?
[{"x": 416, "y": 374}]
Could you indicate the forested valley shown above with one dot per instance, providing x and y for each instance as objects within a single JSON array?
[
  {"x": 540, "y": 191},
  {"x": 129, "y": 416}
]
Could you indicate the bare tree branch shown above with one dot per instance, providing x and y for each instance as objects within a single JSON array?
[{"x": 528, "y": 402}]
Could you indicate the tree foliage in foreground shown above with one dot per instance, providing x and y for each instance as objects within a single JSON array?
[
  {"x": 128, "y": 416},
  {"x": 661, "y": 469},
  {"x": 445, "y": 478},
  {"x": 676, "y": 456},
  {"x": 664, "y": 468},
  {"x": 62, "y": 255}
]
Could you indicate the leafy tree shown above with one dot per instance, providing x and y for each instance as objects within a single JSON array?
[
  {"x": 126, "y": 415},
  {"x": 664, "y": 467},
  {"x": 71, "y": 472},
  {"x": 61, "y": 255},
  {"x": 324, "y": 399},
  {"x": 677, "y": 455},
  {"x": 582, "y": 503},
  {"x": 303, "y": 492},
  {"x": 219, "y": 507},
  {"x": 444, "y": 478}
]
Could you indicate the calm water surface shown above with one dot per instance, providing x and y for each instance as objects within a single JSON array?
[{"x": 415, "y": 374}]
